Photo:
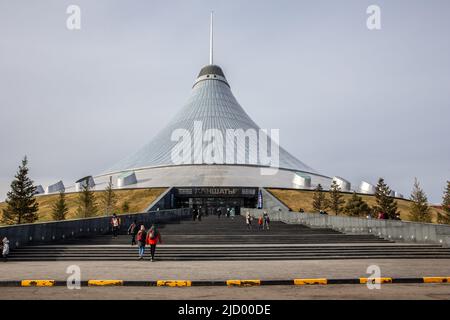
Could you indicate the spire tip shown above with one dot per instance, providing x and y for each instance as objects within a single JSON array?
[{"x": 211, "y": 39}]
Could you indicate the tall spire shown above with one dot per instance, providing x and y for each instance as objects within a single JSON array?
[{"x": 211, "y": 61}]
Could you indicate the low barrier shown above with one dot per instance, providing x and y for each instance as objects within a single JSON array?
[
  {"x": 52, "y": 232},
  {"x": 228, "y": 283},
  {"x": 400, "y": 231}
]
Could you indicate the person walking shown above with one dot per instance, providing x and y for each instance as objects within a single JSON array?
[
  {"x": 5, "y": 248},
  {"x": 141, "y": 238},
  {"x": 133, "y": 230},
  {"x": 260, "y": 223},
  {"x": 199, "y": 215},
  {"x": 232, "y": 213},
  {"x": 115, "y": 223},
  {"x": 219, "y": 213},
  {"x": 266, "y": 220},
  {"x": 248, "y": 221},
  {"x": 153, "y": 237}
]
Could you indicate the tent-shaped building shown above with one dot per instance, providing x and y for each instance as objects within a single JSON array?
[
  {"x": 211, "y": 119},
  {"x": 212, "y": 142}
]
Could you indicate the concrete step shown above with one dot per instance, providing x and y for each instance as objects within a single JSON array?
[
  {"x": 228, "y": 250},
  {"x": 229, "y": 258},
  {"x": 229, "y": 239}
]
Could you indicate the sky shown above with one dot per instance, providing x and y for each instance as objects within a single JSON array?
[{"x": 348, "y": 101}]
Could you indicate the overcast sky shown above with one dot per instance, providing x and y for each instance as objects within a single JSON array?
[{"x": 348, "y": 101}]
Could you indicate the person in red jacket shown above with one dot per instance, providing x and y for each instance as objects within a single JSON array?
[
  {"x": 260, "y": 223},
  {"x": 153, "y": 237}
]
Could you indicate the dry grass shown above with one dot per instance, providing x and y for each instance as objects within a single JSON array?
[
  {"x": 296, "y": 199},
  {"x": 138, "y": 200}
]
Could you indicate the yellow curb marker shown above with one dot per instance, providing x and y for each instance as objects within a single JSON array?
[
  {"x": 375, "y": 280},
  {"x": 301, "y": 282},
  {"x": 174, "y": 283},
  {"x": 105, "y": 282},
  {"x": 436, "y": 279},
  {"x": 243, "y": 283},
  {"x": 37, "y": 283}
]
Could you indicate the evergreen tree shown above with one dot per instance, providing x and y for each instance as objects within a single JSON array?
[
  {"x": 385, "y": 203},
  {"x": 125, "y": 207},
  {"x": 87, "y": 206},
  {"x": 109, "y": 199},
  {"x": 419, "y": 210},
  {"x": 59, "y": 208},
  {"x": 445, "y": 216},
  {"x": 319, "y": 200},
  {"x": 21, "y": 203},
  {"x": 356, "y": 206},
  {"x": 336, "y": 200}
]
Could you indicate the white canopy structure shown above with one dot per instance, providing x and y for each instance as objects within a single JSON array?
[
  {"x": 212, "y": 108},
  {"x": 218, "y": 144}
]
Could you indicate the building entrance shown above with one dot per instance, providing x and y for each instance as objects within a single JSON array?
[{"x": 211, "y": 200}]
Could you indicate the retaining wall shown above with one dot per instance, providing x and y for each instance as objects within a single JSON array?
[
  {"x": 52, "y": 232},
  {"x": 400, "y": 231}
]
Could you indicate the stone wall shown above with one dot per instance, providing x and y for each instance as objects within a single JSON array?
[
  {"x": 400, "y": 231},
  {"x": 57, "y": 231}
]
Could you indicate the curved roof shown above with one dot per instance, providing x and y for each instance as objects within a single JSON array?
[
  {"x": 211, "y": 69},
  {"x": 212, "y": 103}
]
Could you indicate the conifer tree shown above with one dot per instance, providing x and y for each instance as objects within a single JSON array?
[
  {"x": 59, "y": 208},
  {"x": 445, "y": 216},
  {"x": 336, "y": 200},
  {"x": 319, "y": 200},
  {"x": 109, "y": 199},
  {"x": 385, "y": 203},
  {"x": 87, "y": 206},
  {"x": 125, "y": 207},
  {"x": 419, "y": 209},
  {"x": 21, "y": 203},
  {"x": 356, "y": 206}
]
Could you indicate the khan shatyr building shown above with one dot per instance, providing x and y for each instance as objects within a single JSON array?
[{"x": 211, "y": 107}]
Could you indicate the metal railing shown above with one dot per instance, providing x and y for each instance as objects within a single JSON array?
[{"x": 400, "y": 231}]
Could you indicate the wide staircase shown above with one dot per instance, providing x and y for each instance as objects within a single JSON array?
[{"x": 230, "y": 239}]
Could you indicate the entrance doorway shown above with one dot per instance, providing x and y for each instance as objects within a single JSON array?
[{"x": 209, "y": 200}]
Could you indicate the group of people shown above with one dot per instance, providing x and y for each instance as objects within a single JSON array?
[
  {"x": 263, "y": 221},
  {"x": 228, "y": 212},
  {"x": 142, "y": 237},
  {"x": 197, "y": 214},
  {"x": 139, "y": 235},
  {"x": 4, "y": 248}
]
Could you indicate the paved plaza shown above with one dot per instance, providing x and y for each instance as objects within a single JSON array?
[{"x": 388, "y": 291}]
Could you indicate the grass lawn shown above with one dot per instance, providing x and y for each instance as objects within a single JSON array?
[
  {"x": 296, "y": 199},
  {"x": 138, "y": 200}
]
